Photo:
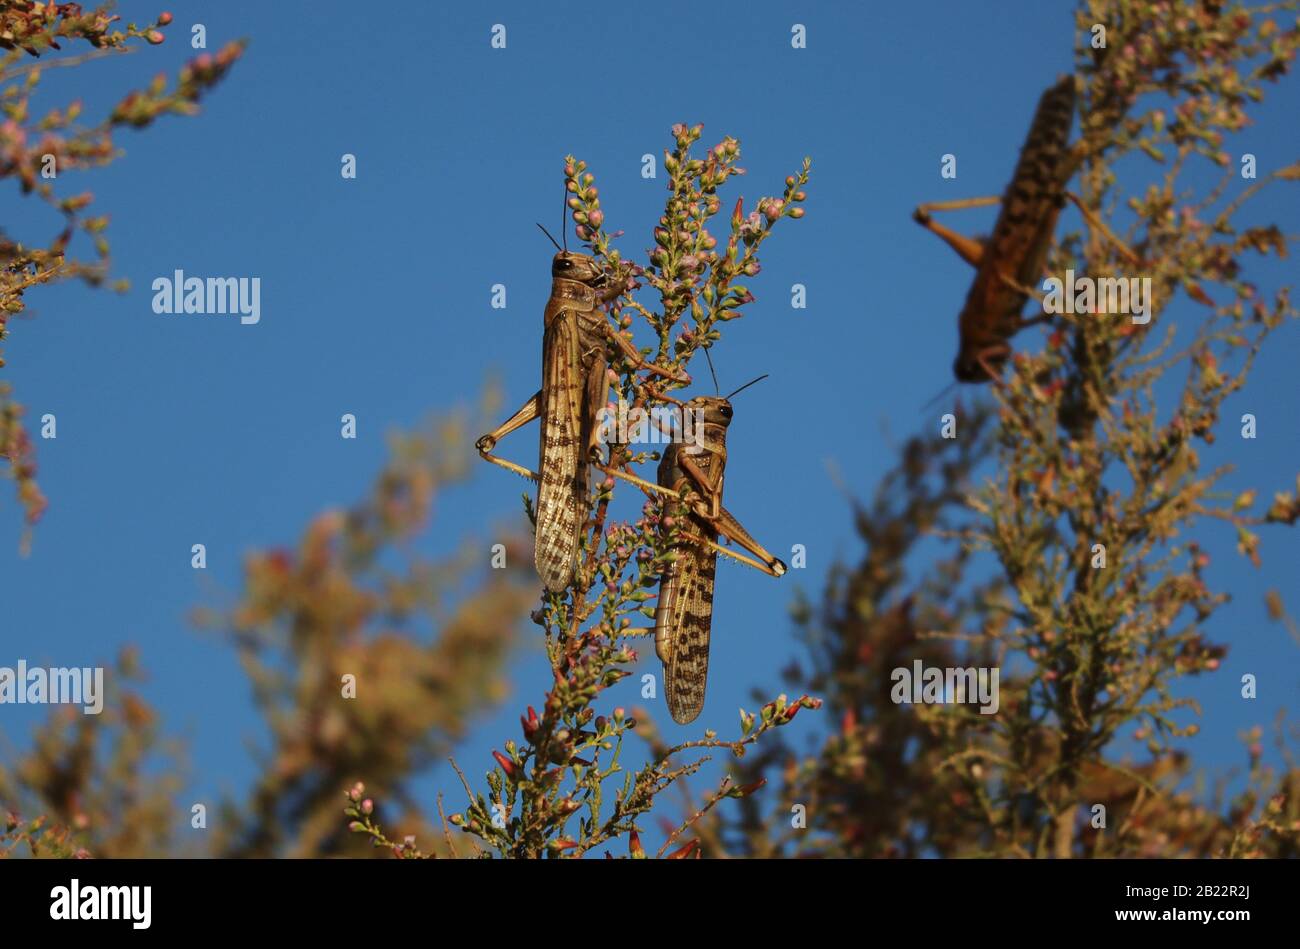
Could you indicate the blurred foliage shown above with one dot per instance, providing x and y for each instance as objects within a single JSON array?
[
  {"x": 38, "y": 149},
  {"x": 422, "y": 641},
  {"x": 103, "y": 784}
]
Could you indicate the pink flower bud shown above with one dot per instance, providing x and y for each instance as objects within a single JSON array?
[
  {"x": 164, "y": 18},
  {"x": 530, "y": 723},
  {"x": 154, "y": 37},
  {"x": 595, "y": 217},
  {"x": 685, "y": 852}
]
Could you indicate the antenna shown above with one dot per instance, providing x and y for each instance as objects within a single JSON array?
[
  {"x": 548, "y": 237},
  {"x": 748, "y": 384},
  {"x": 716, "y": 390},
  {"x": 942, "y": 392}
]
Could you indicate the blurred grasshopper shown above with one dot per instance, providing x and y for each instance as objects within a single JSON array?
[
  {"x": 1012, "y": 260},
  {"x": 574, "y": 389},
  {"x": 693, "y": 518}
]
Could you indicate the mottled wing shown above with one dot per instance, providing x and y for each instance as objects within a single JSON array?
[
  {"x": 683, "y": 621},
  {"x": 562, "y": 494},
  {"x": 1023, "y": 233}
]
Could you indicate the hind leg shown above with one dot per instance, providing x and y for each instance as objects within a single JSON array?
[{"x": 970, "y": 250}]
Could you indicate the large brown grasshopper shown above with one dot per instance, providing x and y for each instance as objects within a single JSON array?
[
  {"x": 1009, "y": 262},
  {"x": 693, "y": 517},
  {"x": 574, "y": 389}
]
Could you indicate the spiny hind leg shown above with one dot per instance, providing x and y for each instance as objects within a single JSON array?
[
  {"x": 970, "y": 250},
  {"x": 775, "y": 568},
  {"x": 529, "y": 411}
]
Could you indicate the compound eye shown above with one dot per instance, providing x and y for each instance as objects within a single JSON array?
[
  {"x": 726, "y": 411},
  {"x": 564, "y": 264}
]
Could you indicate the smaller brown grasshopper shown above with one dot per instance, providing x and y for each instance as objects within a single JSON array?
[
  {"x": 692, "y": 520},
  {"x": 575, "y": 385}
]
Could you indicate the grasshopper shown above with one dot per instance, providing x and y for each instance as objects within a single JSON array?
[
  {"x": 692, "y": 520},
  {"x": 1012, "y": 259},
  {"x": 574, "y": 389}
]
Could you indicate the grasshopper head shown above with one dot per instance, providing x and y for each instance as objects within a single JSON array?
[
  {"x": 706, "y": 426},
  {"x": 580, "y": 267},
  {"x": 713, "y": 409}
]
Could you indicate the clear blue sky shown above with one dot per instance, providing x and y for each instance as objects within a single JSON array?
[{"x": 375, "y": 301}]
